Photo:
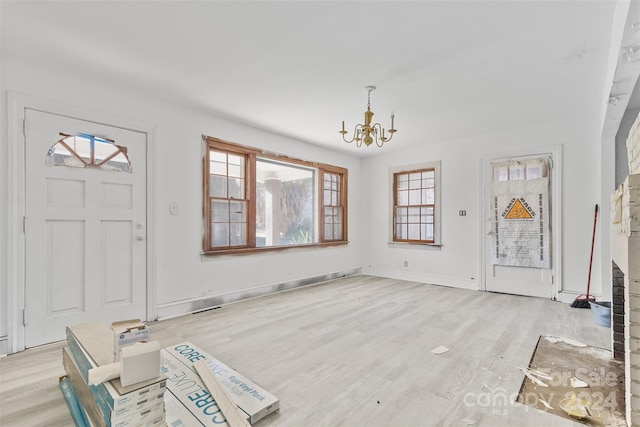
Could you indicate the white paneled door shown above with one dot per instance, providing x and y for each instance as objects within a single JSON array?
[{"x": 85, "y": 227}]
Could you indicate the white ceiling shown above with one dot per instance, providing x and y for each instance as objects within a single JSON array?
[{"x": 448, "y": 69}]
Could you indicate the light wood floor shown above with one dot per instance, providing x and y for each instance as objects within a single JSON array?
[{"x": 351, "y": 352}]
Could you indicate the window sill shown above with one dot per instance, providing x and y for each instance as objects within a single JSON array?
[
  {"x": 250, "y": 251},
  {"x": 427, "y": 246}
]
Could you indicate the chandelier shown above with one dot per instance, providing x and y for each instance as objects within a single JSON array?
[{"x": 367, "y": 133}]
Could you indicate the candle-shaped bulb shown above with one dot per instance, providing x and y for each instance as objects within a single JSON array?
[
  {"x": 392, "y": 117},
  {"x": 343, "y": 125}
]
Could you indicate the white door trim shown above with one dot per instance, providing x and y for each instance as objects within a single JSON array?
[
  {"x": 556, "y": 200},
  {"x": 17, "y": 104}
]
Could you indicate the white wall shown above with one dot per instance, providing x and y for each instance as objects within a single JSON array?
[
  {"x": 458, "y": 263},
  {"x": 180, "y": 271}
]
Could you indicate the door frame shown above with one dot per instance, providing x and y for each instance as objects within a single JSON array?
[
  {"x": 556, "y": 206},
  {"x": 16, "y": 249}
]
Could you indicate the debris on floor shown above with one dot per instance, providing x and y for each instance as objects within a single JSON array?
[
  {"x": 439, "y": 349},
  {"x": 575, "y": 381}
]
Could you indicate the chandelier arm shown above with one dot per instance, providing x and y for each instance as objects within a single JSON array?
[
  {"x": 382, "y": 135},
  {"x": 357, "y": 130}
]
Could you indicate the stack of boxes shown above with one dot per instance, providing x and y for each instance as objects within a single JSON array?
[
  {"x": 177, "y": 397},
  {"x": 110, "y": 404}
]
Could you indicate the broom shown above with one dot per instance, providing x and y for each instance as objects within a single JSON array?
[{"x": 582, "y": 301}]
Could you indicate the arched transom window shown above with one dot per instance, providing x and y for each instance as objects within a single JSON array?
[{"x": 88, "y": 151}]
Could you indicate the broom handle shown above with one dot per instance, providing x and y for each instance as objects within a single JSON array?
[{"x": 593, "y": 239}]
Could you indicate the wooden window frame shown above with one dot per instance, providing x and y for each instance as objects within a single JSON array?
[
  {"x": 251, "y": 155},
  {"x": 436, "y": 205}
]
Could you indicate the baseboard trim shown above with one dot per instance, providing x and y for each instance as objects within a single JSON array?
[
  {"x": 424, "y": 278},
  {"x": 167, "y": 311}
]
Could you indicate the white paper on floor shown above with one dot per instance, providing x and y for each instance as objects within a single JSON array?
[{"x": 440, "y": 349}]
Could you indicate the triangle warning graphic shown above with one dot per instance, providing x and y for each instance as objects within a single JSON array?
[{"x": 518, "y": 211}]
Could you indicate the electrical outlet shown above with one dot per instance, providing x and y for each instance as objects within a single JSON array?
[{"x": 462, "y": 213}]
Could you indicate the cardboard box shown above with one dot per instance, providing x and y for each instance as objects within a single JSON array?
[
  {"x": 177, "y": 415},
  {"x": 91, "y": 345},
  {"x": 145, "y": 412},
  {"x": 126, "y": 333},
  {"x": 250, "y": 397},
  {"x": 140, "y": 362},
  {"x": 190, "y": 392}
]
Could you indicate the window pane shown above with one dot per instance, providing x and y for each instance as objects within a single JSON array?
[
  {"x": 501, "y": 173},
  {"x": 119, "y": 162},
  {"x": 534, "y": 172},
  {"x": 218, "y": 186},
  {"x": 414, "y": 197},
  {"x": 220, "y": 211},
  {"x": 237, "y": 212},
  {"x": 414, "y": 180},
  {"x": 333, "y": 223},
  {"x": 401, "y": 231},
  {"x": 403, "y": 198},
  {"x": 337, "y": 231},
  {"x": 217, "y": 163},
  {"x": 401, "y": 215},
  {"x": 236, "y": 188},
  {"x": 328, "y": 215},
  {"x": 428, "y": 196},
  {"x": 414, "y": 215},
  {"x": 236, "y": 166},
  {"x": 285, "y": 213},
  {"x": 428, "y": 182},
  {"x": 429, "y": 235},
  {"x": 414, "y": 232},
  {"x": 237, "y": 237},
  {"x": 220, "y": 234},
  {"x": 427, "y": 231},
  {"x": 403, "y": 181},
  {"x": 327, "y": 197},
  {"x": 516, "y": 172},
  {"x": 59, "y": 155}
]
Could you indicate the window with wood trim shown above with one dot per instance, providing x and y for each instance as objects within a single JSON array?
[
  {"x": 256, "y": 201},
  {"x": 416, "y": 204},
  {"x": 333, "y": 208}
]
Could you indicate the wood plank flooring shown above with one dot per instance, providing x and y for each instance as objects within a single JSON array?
[{"x": 351, "y": 352}]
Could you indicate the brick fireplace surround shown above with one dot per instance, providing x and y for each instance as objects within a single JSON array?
[{"x": 625, "y": 245}]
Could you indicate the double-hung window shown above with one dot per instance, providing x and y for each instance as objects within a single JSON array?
[
  {"x": 258, "y": 201},
  {"x": 416, "y": 204}
]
